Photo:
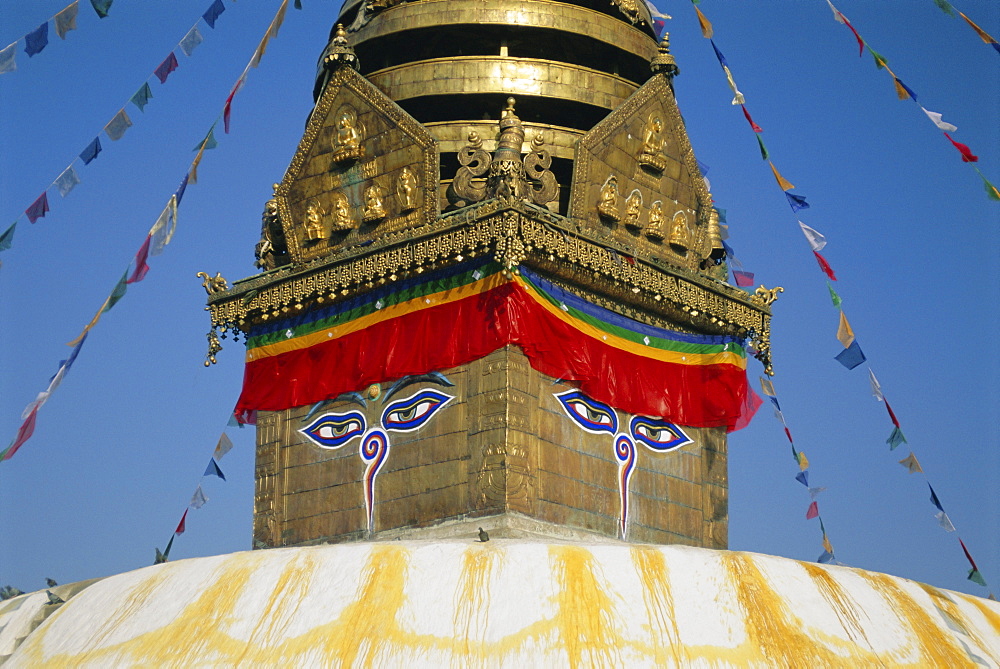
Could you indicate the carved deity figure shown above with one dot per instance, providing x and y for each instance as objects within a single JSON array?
[
  {"x": 342, "y": 213},
  {"x": 374, "y": 208},
  {"x": 271, "y": 251},
  {"x": 655, "y": 228},
  {"x": 633, "y": 209},
  {"x": 406, "y": 190},
  {"x": 314, "y": 222},
  {"x": 607, "y": 204},
  {"x": 651, "y": 156},
  {"x": 347, "y": 141},
  {"x": 680, "y": 237}
]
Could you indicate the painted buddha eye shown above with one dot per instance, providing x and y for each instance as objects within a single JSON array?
[
  {"x": 591, "y": 415},
  {"x": 334, "y": 430},
  {"x": 659, "y": 435},
  {"x": 412, "y": 412}
]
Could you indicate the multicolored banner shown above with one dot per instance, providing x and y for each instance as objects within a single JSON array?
[{"x": 466, "y": 312}]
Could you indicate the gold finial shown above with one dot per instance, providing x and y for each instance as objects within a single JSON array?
[
  {"x": 509, "y": 109},
  {"x": 716, "y": 250},
  {"x": 339, "y": 52},
  {"x": 664, "y": 62}
]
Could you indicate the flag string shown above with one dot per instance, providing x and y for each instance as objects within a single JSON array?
[
  {"x": 35, "y": 41},
  {"x": 950, "y": 10}
]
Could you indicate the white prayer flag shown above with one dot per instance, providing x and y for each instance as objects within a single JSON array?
[
  {"x": 224, "y": 446},
  {"x": 876, "y": 386},
  {"x": 944, "y": 521},
  {"x": 815, "y": 239},
  {"x": 198, "y": 499},
  {"x": 936, "y": 120}
]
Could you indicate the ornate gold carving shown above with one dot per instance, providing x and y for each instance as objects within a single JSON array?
[
  {"x": 630, "y": 8},
  {"x": 607, "y": 205},
  {"x": 213, "y": 284},
  {"x": 651, "y": 156},
  {"x": 347, "y": 140},
  {"x": 474, "y": 162},
  {"x": 655, "y": 228},
  {"x": 767, "y": 295},
  {"x": 214, "y": 346},
  {"x": 374, "y": 207},
  {"x": 272, "y": 250},
  {"x": 313, "y": 225},
  {"x": 406, "y": 190},
  {"x": 716, "y": 251},
  {"x": 544, "y": 187},
  {"x": 633, "y": 209},
  {"x": 680, "y": 236},
  {"x": 663, "y": 62},
  {"x": 504, "y": 475},
  {"x": 339, "y": 52},
  {"x": 342, "y": 213}
]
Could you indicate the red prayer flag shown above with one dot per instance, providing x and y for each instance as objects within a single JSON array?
[
  {"x": 180, "y": 526},
  {"x": 891, "y": 414},
  {"x": 23, "y": 434},
  {"x": 789, "y": 435},
  {"x": 166, "y": 67},
  {"x": 38, "y": 208},
  {"x": 825, "y": 266},
  {"x": 756, "y": 128},
  {"x": 861, "y": 42},
  {"x": 743, "y": 279},
  {"x": 967, "y": 556},
  {"x": 813, "y": 511},
  {"x": 141, "y": 268},
  {"x": 966, "y": 152},
  {"x": 227, "y": 110}
]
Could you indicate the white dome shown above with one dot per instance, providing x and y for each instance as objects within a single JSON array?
[{"x": 507, "y": 603}]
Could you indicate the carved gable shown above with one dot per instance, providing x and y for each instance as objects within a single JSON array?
[
  {"x": 636, "y": 180},
  {"x": 364, "y": 168}
]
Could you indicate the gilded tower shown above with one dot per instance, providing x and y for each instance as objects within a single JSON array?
[{"x": 493, "y": 288}]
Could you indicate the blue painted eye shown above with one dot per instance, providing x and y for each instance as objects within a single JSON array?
[
  {"x": 591, "y": 415},
  {"x": 333, "y": 430},
  {"x": 659, "y": 435},
  {"x": 411, "y": 413}
]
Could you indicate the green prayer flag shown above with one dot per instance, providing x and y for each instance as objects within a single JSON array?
[
  {"x": 945, "y": 7},
  {"x": 833, "y": 295},
  {"x": 118, "y": 293},
  {"x": 209, "y": 141},
  {"x": 976, "y": 577},
  {"x": 7, "y": 238},
  {"x": 763, "y": 149},
  {"x": 880, "y": 62},
  {"x": 991, "y": 190},
  {"x": 895, "y": 439},
  {"x": 141, "y": 97},
  {"x": 101, "y": 7}
]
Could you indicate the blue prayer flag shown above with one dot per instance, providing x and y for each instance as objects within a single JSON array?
[
  {"x": 796, "y": 202},
  {"x": 803, "y": 478},
  {"x": 213, "y": 470},
  {"x": 37, "y": 39},
  {"x": 703, "y": 167},
  {"x": 775, "y": 400},
  {"x": 851, "y": 356},
  {"x": 934, "y": 499},
  {"x": 825, "y": 558},
  {"x": 91, "y": 151},
  {"x": 213, "y": 13},
  {"x": 182, "y": 188},
  {"x": 718, "y": 54}
]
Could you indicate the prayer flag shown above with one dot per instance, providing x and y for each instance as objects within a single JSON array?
[
  {"x": 803, "y": 461},
  {"x": 934, "y": 498},
  {"x": 141, "y": 268},
  {"x": 91, "y": 151},
  {"x": 706, "y": 25},
  {"x": 181, "y": 526},
  {"x": 780, "y": 416},
  {"x": 895, "y": 439},
  {"x": 826, "y": 542},
  {"x": 23, "y": 434},
  {"x": 892, "y": 414},
  {"x": 738, "y": 98},
  {"x": 876, "y": 386},
  {"x": 977, "y": 577},
  {"x": 837, "y": 16},
  {"x": 845, "y": 335},
  {"x": 163, "y": 230},
  {"x": 763, "y": 149},
  {"x": 783, "y": 183},
  {"x": 945, "y": 7},
  {"x": 790, "y": 441},
  {"x": 967, "y": 156},
  {"x": 224, "y": 446},
  {"x": 118, "y": 293},
  {"x": 228, "y": 108},
  {"x": 179, "y": 193},
  {"x": 7, "y": 62},
  {"x": 803, "y": 478},
  {"x": 815, "y": 239},
  {"x": 833, "y": 295},
  {"x": 213, "y": 470},
  {"x": 911, "y": 464},
  {"x": 64, "y": 366},
  {"x": 7, "y": 238},
  {"x": 141, "y": 97},
  {"x": 944, "y": 521},
  {"x": 164, "y": 69},
  {"x": 272, "y": 32},
  {"x": 38, "y": 208},
  {"x": 213, "y": 13},
  {"x": 823, "y": 264},
  {"x": 936, "y": 120},
  {"x": 968, "y": 556},
  {"x": 813, "y": 511},
  {"x": 814, "y": 492},
  {"x": 991, "y": 190},
  {"x": 983, "y": 35},
  {"x": 117, "y": 126},
  {"x": 746, "y": 114},
  {"x": 796, "y": 202},
  {"x": 851, "y": 356},
  {"x": 209, "y": 141},
  {"x": 66, "y": 19},
  {"x": 743, "y": 279},
  {"x": 102, "y": 7},
  {"x": 198, "y": 499},
  {"x": 720, "y": 212},
  {"x": 37, "y": 39},
  {"x": 880, "y": 61},
  {"x": 843, "y": 19},
  {"x": 774, "y": 401},
  {"x": 298, "y": 4},
  {"x": 191, "y": 41},
  {"x": 825, "y": 558},
  {"x": 767, "y": 387},
  {"x": 67, "y": 181},
  {"x": 902, "y": 90},
  {"x": 719, "y": 56}
]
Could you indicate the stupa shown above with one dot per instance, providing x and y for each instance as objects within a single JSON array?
[{"x": 492, "y": 359}]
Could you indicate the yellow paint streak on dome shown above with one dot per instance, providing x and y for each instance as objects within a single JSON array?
[
  {"x": 957, "y": 618},
  {"x": 472, "y": 603},
  {"x": 934, "y": 646},
  {"x": 989, "y": 613},
  {"x": 651, "y": 566},
  {"x": 842, "y": 603},
  {"x": 588, "y": 630}
]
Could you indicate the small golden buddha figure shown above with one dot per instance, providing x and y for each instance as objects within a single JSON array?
[
  {"x": 314, "y": 222},
  {"x": 607, "y": 205},
  {"x": 651, "y": 156},
  {"x": 342, "y": 213},
  {"x": 406, "y": 190},
  {"x": 655, "y": 228},
  {"x": 347, "y": 142},
  {"x": 633, "y": 209},
  {"x": 680, "y": 237},
  {"x": 374, "y": 208}
]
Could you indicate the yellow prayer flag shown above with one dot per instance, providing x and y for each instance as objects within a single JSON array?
[
  {"x": 983, "y": 35},
  {"x": 90, "y": 325},
  {"x": 706, "y": 25},
  {"x": 767, "y": 387},
  {"x": 803, "y": 461},
  {"x": 782, "y": 181},
  {"x": 845, "y": 335},
  {"x": 827, "y": 546},
  {"x": 900, "y": 91},
  {"x": 911, "y": 464}
]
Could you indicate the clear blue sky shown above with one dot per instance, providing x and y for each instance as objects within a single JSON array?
[{"x": 121, "y": 446}]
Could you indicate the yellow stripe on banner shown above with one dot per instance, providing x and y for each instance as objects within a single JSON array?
[
  {"x": 386, "y": 314},
  {"x": 586, "y": 329}
]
